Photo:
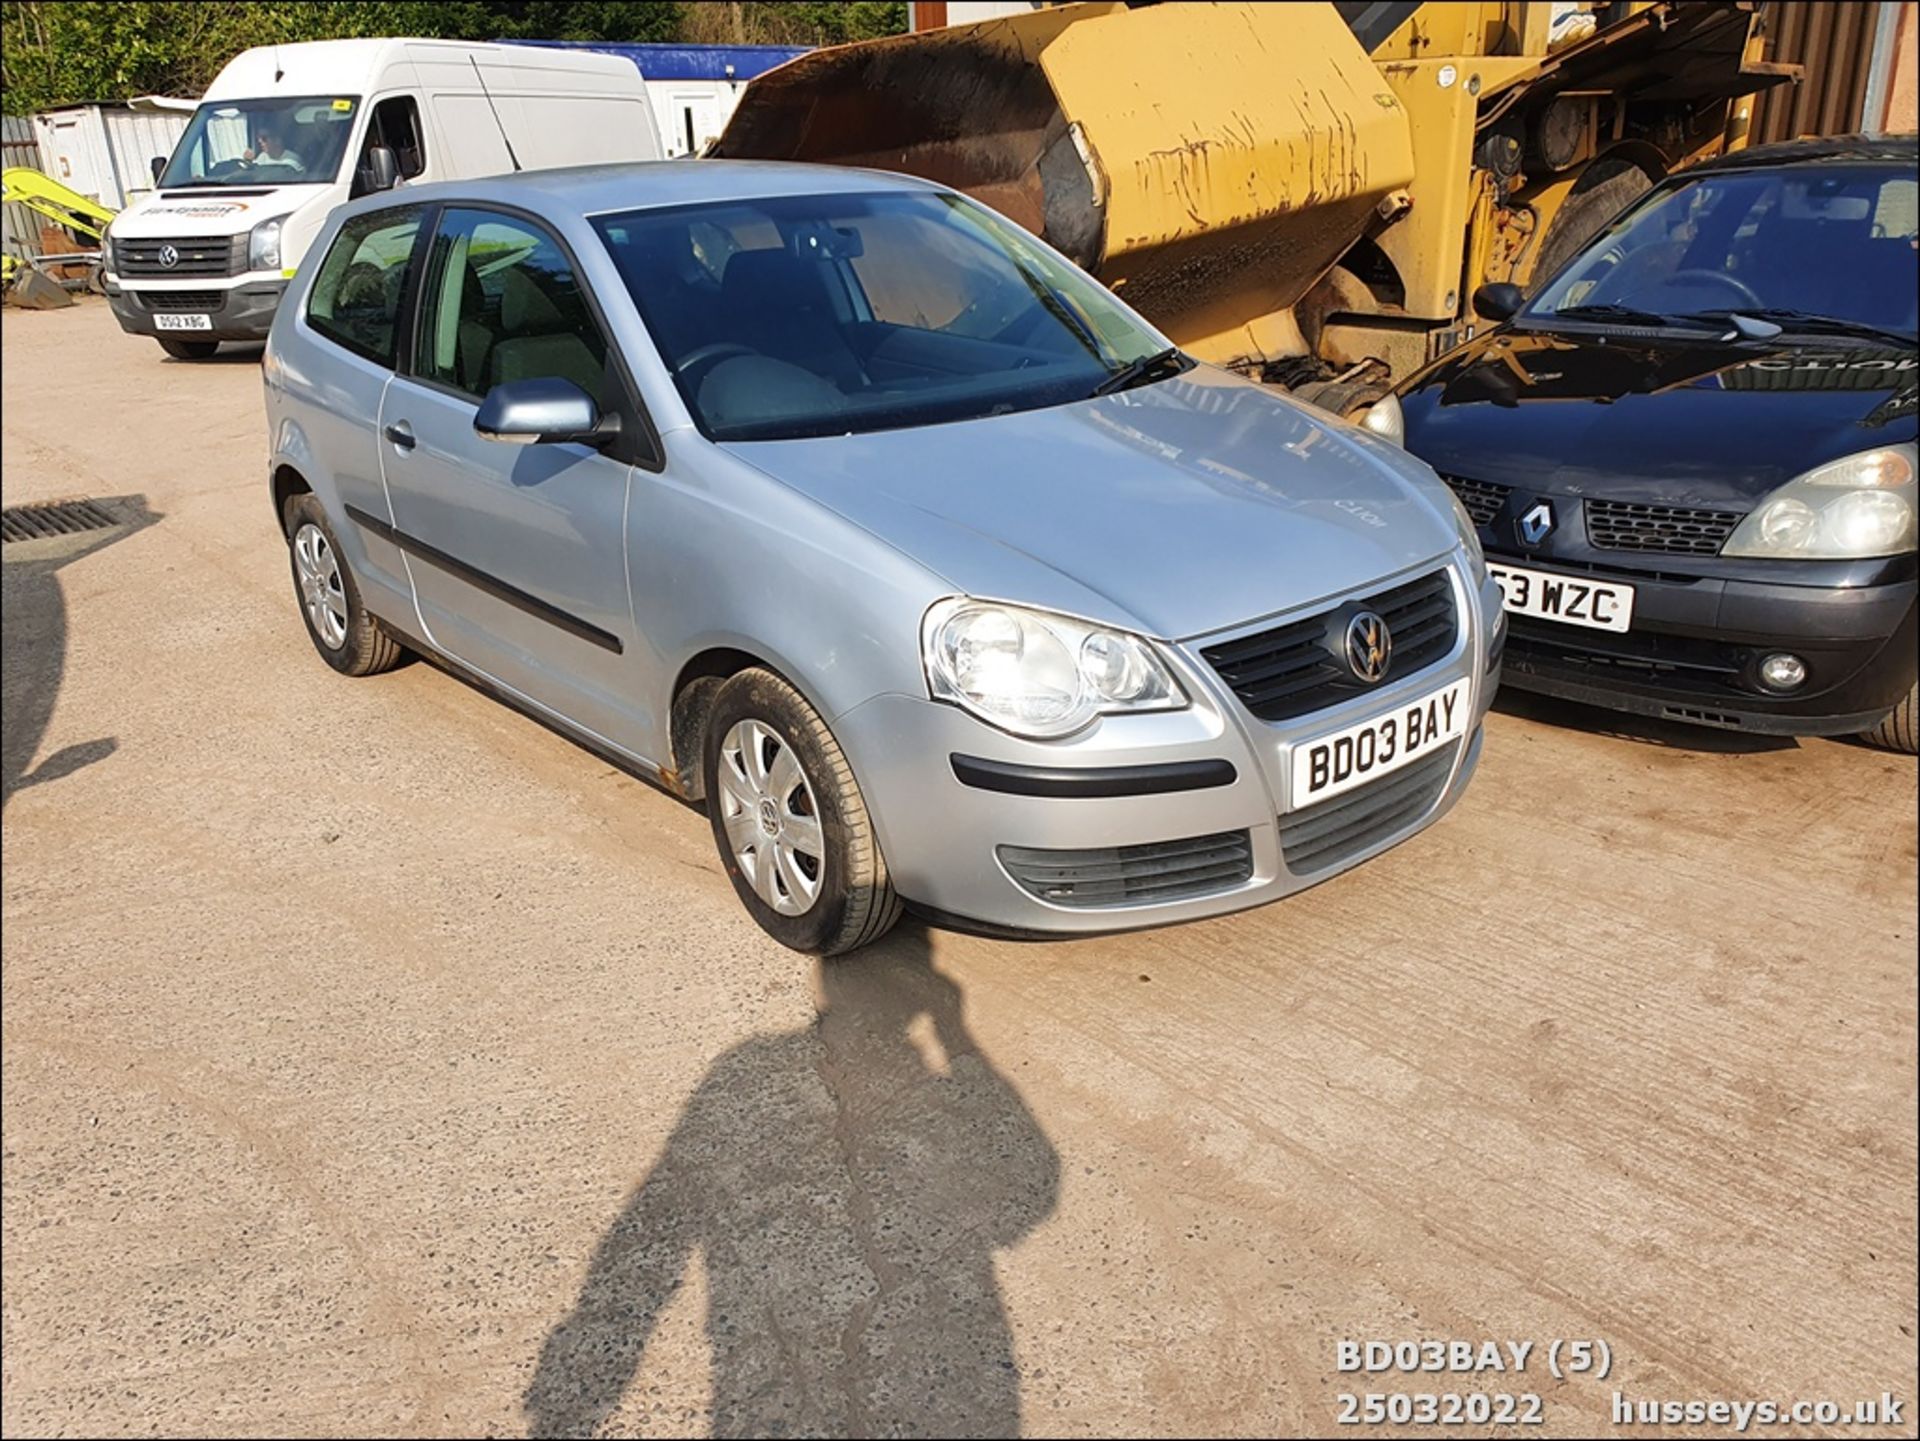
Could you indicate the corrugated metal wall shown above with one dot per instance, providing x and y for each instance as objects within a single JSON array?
[
  {"x": 134, "y": 137},
  {"x": 1833, "y": 39},
  {"x": 19, "y": 226}
]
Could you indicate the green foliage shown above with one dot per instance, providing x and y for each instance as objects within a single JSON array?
[{"x": 55, "y": 52}]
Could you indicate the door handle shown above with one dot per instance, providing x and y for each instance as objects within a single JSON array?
[{"x": 401, "y": 434}]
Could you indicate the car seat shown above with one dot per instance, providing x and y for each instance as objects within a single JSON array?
[{"x": 539, "y": 339}]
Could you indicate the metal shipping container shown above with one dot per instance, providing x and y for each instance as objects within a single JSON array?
[{"x": 106, "y": 151}]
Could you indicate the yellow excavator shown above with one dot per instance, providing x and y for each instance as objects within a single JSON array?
[
  {"x": 1308, "y": 193},
  {"x": 82, "y": 217}
]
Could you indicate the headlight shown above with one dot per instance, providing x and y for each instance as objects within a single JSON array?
[
  {"x": 1384, "y": 419},
  {"x": 263, "y": 245},
  {"x": 1036, "y": 673},
  {"x": 1861, "y": 505},
  {"x": 1469, "y": 537}
]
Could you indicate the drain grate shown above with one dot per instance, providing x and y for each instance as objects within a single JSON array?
[{"x": 67, "y": 517}]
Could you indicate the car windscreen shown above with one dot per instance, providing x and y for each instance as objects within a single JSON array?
[
  {"x": 277, "y": 141},
  {"x": 1835, "y": 241},
  {"x": 831, "y": 314}
]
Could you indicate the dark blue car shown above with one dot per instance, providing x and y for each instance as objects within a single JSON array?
[{"x": 1691, "y": 455}]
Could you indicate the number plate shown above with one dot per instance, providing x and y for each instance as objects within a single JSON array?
[
  {"x": 165, "y": 321},
  {"x": 1595, "y": 604},
  {"x": 1374, "y": 748}
]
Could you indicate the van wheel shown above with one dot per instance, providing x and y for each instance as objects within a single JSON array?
[
  {"x": 187, "y": 349},
  {"x": 792, "y": 827},
  {"x": 1901, "y": 730},
  {"x": 348, "y": 638}
]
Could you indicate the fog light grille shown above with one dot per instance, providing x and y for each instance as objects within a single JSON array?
[{"x": 1122, "y": 875}]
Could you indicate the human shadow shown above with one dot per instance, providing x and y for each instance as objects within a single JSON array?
[
  {"x": 34, "y": 644},
  {"x": 846, "y": 1185}
]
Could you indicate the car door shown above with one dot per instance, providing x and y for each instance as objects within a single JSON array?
[{"x": 517, "y": 552}]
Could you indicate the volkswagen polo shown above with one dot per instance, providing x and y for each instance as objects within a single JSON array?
[{"x": 840, "y": 504}]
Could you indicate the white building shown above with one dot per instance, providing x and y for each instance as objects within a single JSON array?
[{"x": 693, "y": 88}]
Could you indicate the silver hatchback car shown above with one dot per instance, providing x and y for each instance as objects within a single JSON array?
[{"x": 839, "y": 503}]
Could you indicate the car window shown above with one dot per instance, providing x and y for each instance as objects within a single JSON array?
[
  {"x": 355, "y": 300},
  {"x": 1835, "y": 241},
  {"x": 502, "y": 303},
  {"x": 825, "y": 314}
]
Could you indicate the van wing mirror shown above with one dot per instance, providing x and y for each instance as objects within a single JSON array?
[
  {"x": 382, "y": 169},
  {"x": 1498, "y": 300},
  {"x": 158, "y": 165},
  {"x": 543, "y": 411}
]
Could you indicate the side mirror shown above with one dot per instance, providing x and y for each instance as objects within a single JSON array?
[
  {"x": 543, "y": 411},
  {"x": 158, "y": 165},
  {"x": 383, "y": 170},
  {"x": 1498, "y": 300}
]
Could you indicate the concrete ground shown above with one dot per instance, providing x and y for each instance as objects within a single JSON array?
[{"x": 378, "y": 1062}]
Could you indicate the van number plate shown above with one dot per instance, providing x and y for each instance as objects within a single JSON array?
[{"x": 182, "y": 322}]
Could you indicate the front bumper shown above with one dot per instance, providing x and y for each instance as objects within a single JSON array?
[
  {"x": 954, "y": 846},
  {"x": 1696, "y": 644},
  {"x": 244, "y": 312}
]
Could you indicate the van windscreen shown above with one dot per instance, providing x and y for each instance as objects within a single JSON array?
[{"x": 278, "y": 141}]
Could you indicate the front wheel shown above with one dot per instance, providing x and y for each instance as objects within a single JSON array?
[
  {"x": 1901, "y": 730},
  {"x": 793, "y": 830},
  {"x": 188, "y": 349}
]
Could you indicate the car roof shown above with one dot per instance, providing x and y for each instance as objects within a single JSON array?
[
  {"x": 650, "y": 184},
  {"x": 1831, "y": 150}
]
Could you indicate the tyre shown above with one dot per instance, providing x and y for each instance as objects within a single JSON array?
[
  {"x": 1899, "y": 731},
  {"x": 1599, "y": 195},
  {"x": 793, "y": 830},
  {"x": 188, "y": 349},
  {"x": 348, "y": 638}
]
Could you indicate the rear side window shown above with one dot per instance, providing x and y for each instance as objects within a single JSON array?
[{"x": 355, "y": 300}]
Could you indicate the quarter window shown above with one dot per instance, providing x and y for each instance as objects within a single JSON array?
[
  {"x": 356, "y": 295},
  {"x": 503, "y": 303}
]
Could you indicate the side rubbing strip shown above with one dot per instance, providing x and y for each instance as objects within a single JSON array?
[{"x": 480, "y": 580}]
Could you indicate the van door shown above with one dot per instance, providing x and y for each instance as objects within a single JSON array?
[{"x": 518, "y": 552}]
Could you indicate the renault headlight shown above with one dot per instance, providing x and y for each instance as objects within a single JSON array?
[
  {"x": 263, "y": 245},
  {"x": 1858, "y": 506},
  {"x": 1385, "y": 420},
  {"x": 1036, "y": 673}
]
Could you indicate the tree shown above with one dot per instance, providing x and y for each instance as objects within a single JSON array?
[{"x": 55, "y": 52}]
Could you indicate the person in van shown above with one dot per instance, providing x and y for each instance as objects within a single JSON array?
[{"x": 270, "y": 149}]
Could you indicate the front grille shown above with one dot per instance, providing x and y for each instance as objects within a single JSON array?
[
  {"x": 1119, "y": 875},
  {"x": 1670, "y": 529},
  {"x": 182, "y": 300},
  {"x": 1649, "y": 657},
  {"x": 194, "y": 255},
  {"x": 1482, "y": 498},
  {"x": 1324, "y": 835},
  {"x": 1302, "y": 666}
]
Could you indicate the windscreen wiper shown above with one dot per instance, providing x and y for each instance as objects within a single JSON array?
[
  {"x": 1806, "y": 322},
  {"x": 1139, "y": 372},
  {"x": 1626, "y": 314}
]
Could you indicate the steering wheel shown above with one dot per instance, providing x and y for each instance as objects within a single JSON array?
[
  {"x": 707, "y": 354},
  {"x": 1739, "y": 287}
]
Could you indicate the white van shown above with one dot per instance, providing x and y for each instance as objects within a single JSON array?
[{"x": 288, "y": 132}]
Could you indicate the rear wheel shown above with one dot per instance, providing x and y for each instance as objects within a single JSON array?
[
  {"x": 347, "y": 637},
  {"x": 1901, "y": 730},
  {"x": 188, "y": 349},
  {"x": 791, "y": 825}
]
